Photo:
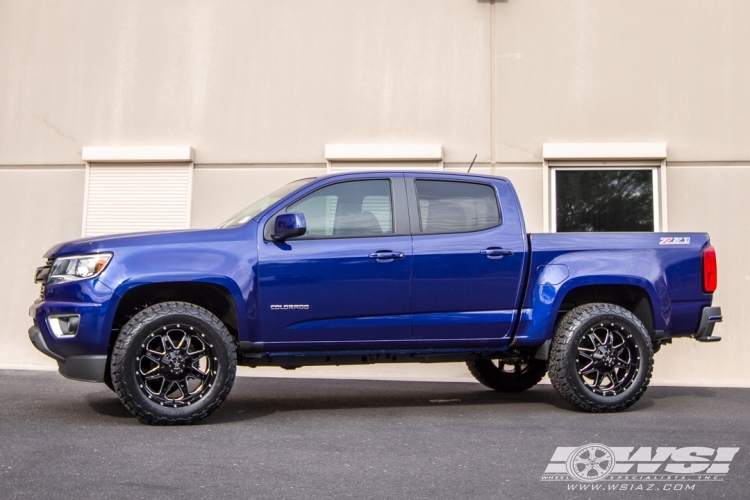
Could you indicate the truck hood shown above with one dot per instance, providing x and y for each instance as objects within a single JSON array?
[{"x": 152, "y": 239}]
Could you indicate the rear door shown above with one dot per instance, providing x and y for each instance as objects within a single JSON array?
[
  {"x": 346, "y": 283},
  {"x": 469, "y": 255}
]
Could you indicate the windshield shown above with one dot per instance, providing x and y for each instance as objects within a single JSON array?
[{"x": 262, "y": 204}]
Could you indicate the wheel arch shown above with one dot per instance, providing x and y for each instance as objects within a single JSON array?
[
  {"x": 548, "y": 304},
  {"x": 213, "y": 297},
  {"x": 631, "y": 297}
]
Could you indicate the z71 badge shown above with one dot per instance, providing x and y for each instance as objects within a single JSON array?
[{"x": 681, "y": 240}]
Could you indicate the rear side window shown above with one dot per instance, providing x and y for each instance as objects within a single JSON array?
[
  {"x": 352, "y": 209},
  {"x": 456, "y": 207}
]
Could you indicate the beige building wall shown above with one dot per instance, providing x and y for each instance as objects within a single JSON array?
[
  {"x": 712, "y": 197},
  {"x": 243, "y": 81},
  {"x": 221, "y": 191},
  {"x": 39, "y": 206},
  {"x": 639, "y": 71},
  {"x": 259, "y": 88}
]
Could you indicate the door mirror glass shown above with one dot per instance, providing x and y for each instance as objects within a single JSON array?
[{"x": 289, "y": 226}]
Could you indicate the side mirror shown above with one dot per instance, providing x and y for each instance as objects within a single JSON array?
[{"x": 289, "y": 226}]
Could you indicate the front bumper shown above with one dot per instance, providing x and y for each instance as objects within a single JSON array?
[
  {"x": 89, "y": 368},
  {"x": 709, "y": 317}
]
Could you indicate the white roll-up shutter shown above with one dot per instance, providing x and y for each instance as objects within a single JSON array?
[{"x": 130, "y": 197}]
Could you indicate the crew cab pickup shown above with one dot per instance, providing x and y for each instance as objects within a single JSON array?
[{"x": 372, "y": 267}]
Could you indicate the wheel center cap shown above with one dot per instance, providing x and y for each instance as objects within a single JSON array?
[
  {"x": 173, "y": 363},
  {"x": 605, "y": 357}
]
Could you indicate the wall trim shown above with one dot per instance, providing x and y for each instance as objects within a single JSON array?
[
  {"x": 604, "y": 151},
  {"x": 383, "y": 152},
  {"x": 55, "y": 168},
  {"x": 104, "y": 154}
]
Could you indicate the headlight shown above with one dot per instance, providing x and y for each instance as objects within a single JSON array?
[{"x": 78, "y": 267}]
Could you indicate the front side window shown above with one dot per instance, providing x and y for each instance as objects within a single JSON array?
[
  {"x": 456, "y": 207},
  {"x": 348, "y": 210},
  {"x": 588, "y": 200}
]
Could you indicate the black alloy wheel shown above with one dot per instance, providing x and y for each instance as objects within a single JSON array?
[
  {"x": 608, "y": 359},
  {"x": 512, "y": 374},
  {"x": 175, "y": 365}
]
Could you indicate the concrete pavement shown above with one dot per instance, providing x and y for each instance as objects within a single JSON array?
[{"x": 313, "y": 438}]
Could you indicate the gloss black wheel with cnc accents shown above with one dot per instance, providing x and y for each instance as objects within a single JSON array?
[
  {"x": 173, "y": 363},
  {"x": 601, "y": 358},
  {"x": 512, "y": 374}
]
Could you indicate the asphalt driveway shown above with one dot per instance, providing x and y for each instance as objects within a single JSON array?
[{"x": 314, "y": 438}]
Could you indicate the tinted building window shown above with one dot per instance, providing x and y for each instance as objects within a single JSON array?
[
  {"x": 456, "y": 207},
  {"x": 604, "y": 200}
]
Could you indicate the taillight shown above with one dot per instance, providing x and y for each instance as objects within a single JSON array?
[{"x": 709, "y": 269}]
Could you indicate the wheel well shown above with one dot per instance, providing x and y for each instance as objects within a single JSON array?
[
  {"x": 633, "y": 298},
  {"x": 214, "y": 298}
]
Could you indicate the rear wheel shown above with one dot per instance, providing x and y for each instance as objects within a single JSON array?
[
  {"x": 173, "y": 363},
  {"x": 601, "y": 358},
  {"x": 509, "y": 375}
]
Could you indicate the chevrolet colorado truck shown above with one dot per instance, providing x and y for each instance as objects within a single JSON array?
[{"x": 372, "y": 267}]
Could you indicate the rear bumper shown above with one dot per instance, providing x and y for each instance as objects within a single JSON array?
[
  {"x": 88, "y": 368},
  {"x": 709, "y": 317}
]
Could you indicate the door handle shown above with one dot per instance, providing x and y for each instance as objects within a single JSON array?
[
  {"x": 386, "y": 255},
  {"x": 495, "y": 252}
]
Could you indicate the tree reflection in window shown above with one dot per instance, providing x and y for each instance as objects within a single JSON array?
[{"x": 604, "y": 200}]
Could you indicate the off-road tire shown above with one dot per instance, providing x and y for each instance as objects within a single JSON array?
[
  {"x": 526, "y": 373},
  {"x": 572, "y": 337},
  {"x": 206, "y": 330}
]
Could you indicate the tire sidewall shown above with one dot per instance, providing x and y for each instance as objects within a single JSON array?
[{"x": 134, "y": 340}]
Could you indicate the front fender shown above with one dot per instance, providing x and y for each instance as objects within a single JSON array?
[
  {"x": 230, "y": 264},
  {"x": 227, "y": 283}
]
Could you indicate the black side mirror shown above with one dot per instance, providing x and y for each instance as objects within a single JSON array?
[{"x": 289, "y": 226}]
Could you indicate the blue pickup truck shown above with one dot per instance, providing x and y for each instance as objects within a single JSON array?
[{"x": 372, "y": 267}]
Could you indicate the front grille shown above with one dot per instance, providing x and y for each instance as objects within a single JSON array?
[{"x": 41, "y": 275}]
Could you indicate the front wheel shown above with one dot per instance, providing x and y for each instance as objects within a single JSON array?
[
  {"x": 173, "y": 363},
  {"x": 601, "y": 358}
]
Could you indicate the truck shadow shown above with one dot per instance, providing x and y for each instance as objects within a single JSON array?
[
  {"x": 256, "y": 397},
  {"x": 252, "y": 398}
]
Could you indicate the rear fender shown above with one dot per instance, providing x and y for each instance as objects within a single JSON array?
[{"x": 547, "y": 290}]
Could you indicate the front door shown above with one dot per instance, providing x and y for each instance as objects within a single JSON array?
[{"x": 346, "y": 282}]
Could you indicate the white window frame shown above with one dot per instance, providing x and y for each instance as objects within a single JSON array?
[{"x": 604, "y": 156}]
